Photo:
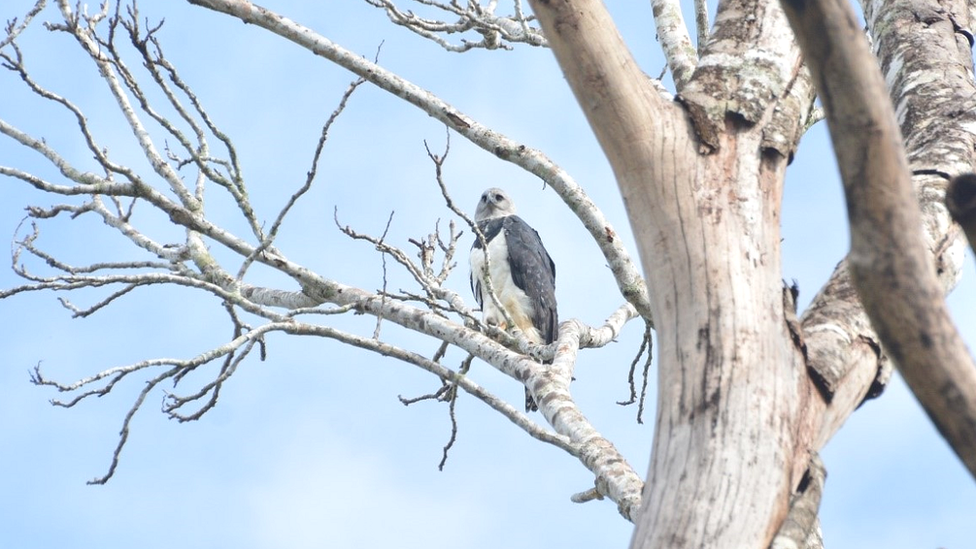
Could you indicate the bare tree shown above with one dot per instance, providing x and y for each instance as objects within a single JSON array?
[{"x": 749, "y": 392}]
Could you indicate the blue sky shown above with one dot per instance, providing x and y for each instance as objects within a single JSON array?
[{"x": 311, "y": 448}]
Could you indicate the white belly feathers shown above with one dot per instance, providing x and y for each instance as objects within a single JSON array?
[{"x": 516, "y": 303}]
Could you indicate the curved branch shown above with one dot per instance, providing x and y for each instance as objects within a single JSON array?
[
  {"x": 464, "y": 382},
  {"x": 626, "y": 272},
  {"x": 927, "y": 64},
  {"x": 889, "y": 263},
  {"x": 14, "y": 30},
  {"x": 615, "y": 478},
  {"x": 675, "y": 41}
]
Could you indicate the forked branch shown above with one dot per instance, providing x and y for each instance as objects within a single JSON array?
[
  {"x": 204, "y": 156},
  {"x": 889, "y": 263},
  {"x": 472, "y": 18},
  {"x": 626, "y": 272}
]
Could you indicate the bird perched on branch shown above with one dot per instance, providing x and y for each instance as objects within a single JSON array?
[{"x": 522, "y": 274}]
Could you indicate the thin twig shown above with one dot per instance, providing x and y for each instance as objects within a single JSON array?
[
  {"x": 13, "y": 29},
  {"x": 379, "y": 317},
  {"x": 486, "y": 269},
  {"x": 323, "y": 137}
]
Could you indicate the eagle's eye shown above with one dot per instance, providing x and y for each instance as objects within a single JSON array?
[{"x": 499, "y": 198}]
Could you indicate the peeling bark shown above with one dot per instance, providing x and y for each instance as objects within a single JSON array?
[{"x": 747, "y": 66}]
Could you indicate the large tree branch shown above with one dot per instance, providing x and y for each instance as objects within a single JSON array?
[
  {"x": 605, "y": 78},
  {"x": 889, "y": 263},
  {"x": 932, "y": 83},
  {"x": 673, "y": 33},
  {"x": 705, "y": 225}
]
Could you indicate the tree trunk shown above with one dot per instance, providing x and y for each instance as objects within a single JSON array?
[
  {"x": 732, "y": 382},
  {"x": 704, "y": 207},
  {"x": 738, "y": 416}
]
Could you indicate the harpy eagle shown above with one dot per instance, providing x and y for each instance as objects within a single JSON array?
[{"x": 522, "y": 273}]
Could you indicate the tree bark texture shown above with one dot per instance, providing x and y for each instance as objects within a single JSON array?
[
  {"x": 703, "y": 187},
  {"x": 890, "y": 263},
  {"x": 927, "y": 67},
  {"x": 702, "y": 180}
]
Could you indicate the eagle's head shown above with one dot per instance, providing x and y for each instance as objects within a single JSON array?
[{"x": 494, "y": 203}]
